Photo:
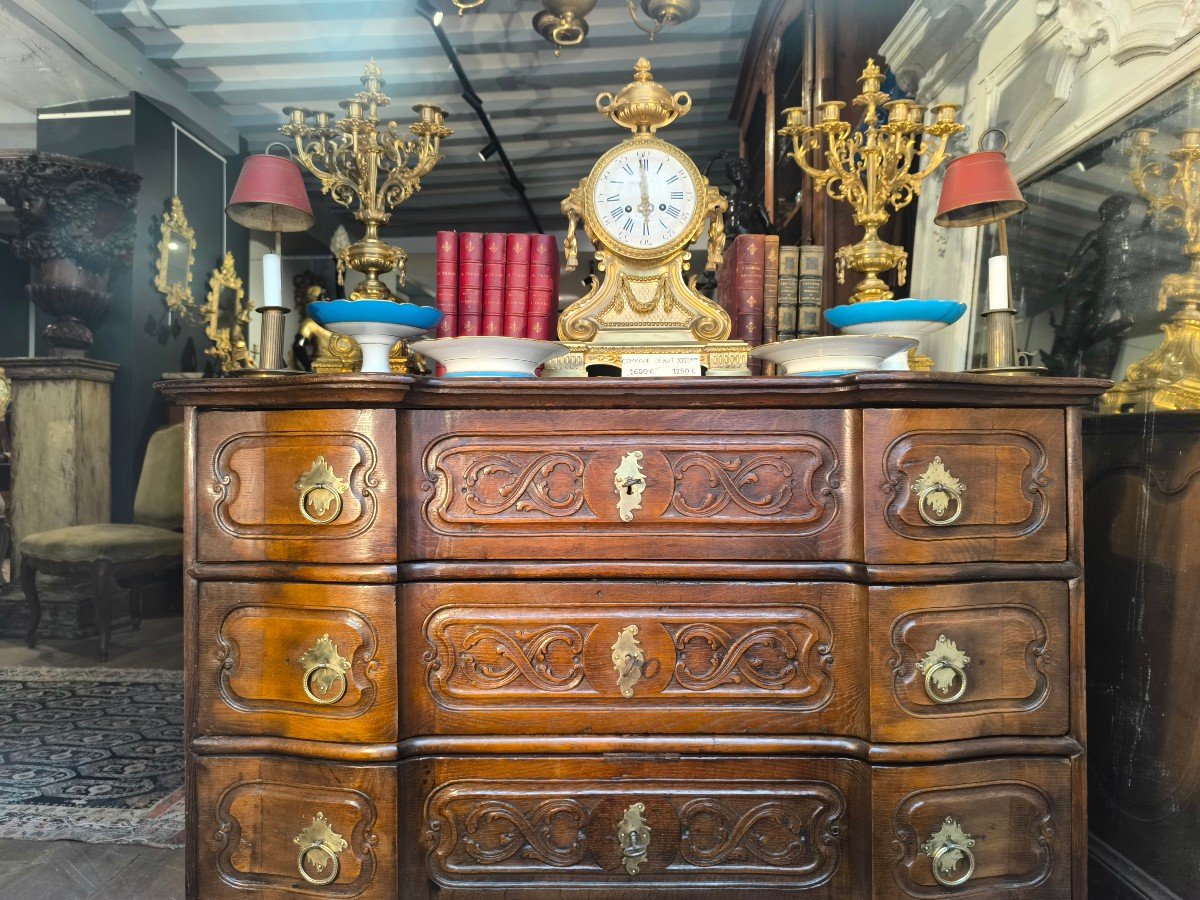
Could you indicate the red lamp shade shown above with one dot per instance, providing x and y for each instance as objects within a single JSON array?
[
  {"x": 978, "y": 188},
  {"x": 270, "y": 196}
]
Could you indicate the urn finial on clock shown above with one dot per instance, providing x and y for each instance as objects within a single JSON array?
[{"x": 644, "y": 106}]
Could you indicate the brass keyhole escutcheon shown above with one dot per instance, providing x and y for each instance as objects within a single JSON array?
[
  {"x": 321, "y": 493},
  {"x": 939, "y": 495},
  {"x": 628, "y": 660},
  {"x": 634, "y": 835},
  {"x": 947, "y": 847},
  {"x": 319, "y": 848},
  {"x": 324, "y": 672},
  {"x": 942, "y": 665},
  {"x": 629, "y": 482}
]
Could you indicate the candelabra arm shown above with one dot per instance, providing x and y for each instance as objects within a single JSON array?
[
  {"x": 336, "y": 184},
  {"x": 935, "y": 159}
]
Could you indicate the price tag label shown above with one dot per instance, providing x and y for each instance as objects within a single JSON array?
[{"x": 660, "y": 365}]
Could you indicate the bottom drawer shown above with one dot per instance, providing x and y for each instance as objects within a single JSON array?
[
  {"x": 276, "y": 828},
  {"x": 993, "y": 828},
  {"x": 622, "y": 826}
]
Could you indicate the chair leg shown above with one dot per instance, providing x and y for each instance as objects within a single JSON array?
[
  {"x": 29, "y": 586},
  {"x": 105, "y": 588},
  {"x": 135, "y": 604}
]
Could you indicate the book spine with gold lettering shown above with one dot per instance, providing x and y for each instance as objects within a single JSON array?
[
  {"x": 470, "y": 283},
  {"x": 447, "y": 283},
  {"x": 789, "y": 292},
  {"x": 495, "y": 250},
  {"x": 770, "y": 328},
  {"x": 748, "y": 291},
  {"x": 812, "y": 283}
]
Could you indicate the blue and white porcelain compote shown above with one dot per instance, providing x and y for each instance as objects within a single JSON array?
[
  {"x": 901, "y": 318},
  {"x": 375, "y": 324}
]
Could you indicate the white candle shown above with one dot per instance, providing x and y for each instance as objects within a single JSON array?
[
  {"x": 998, "y": 282},
  {"x": 272, "y": 280}
]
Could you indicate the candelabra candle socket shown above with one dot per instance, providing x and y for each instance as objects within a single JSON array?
[{"x": 271, "y": 361}]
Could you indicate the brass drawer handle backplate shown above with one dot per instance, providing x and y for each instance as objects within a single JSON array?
[
  {"x": 939, "y": 494},
  {"x": 941, "y": 665},
  {"x": 634, "y": 835},
  {"x": 321, "y": 493},
  {"x": 628, "y": 659},
  {"x": 629, "y": 482},
  {"x": 324, "y": 672},
  {"x": 947, "y": 847},
  {"x": 319, "y": 847}
]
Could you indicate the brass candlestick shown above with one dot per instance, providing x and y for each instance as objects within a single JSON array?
[
  {"x": 1169, "y": 378},
  {"x": 358, "y": 158},
  {"x": 868, "y": 167}
]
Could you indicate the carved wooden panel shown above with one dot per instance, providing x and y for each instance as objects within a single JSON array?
[
  {"x": 950, "y": 485},
  {"x": 541, "y": 658},
  {"x": 723, "y": 484},
  {"x": 261, "y": 644},
  {"x": 250, "y": 811},
  {"x": 1017, "y": 674},
  {"x": 730, "y": 823},
  {"x": 252, "y": 468},
  {"x": 1017, "y": 811}
]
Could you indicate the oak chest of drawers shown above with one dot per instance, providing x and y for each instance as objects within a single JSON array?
[{"x": 713, "y": 637}]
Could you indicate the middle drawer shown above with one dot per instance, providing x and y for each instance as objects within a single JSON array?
[{"x": 630, "y": 657}]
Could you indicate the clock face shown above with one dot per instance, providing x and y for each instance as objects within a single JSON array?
[{"x": 644, "y": 198}]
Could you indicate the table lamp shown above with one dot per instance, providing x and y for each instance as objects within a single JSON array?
[
  {"x": 979, "y": 188},
  {"x": 270, "y": 196}
]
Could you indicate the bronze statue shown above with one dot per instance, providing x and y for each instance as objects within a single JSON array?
[{"x": 746, "y": 214}]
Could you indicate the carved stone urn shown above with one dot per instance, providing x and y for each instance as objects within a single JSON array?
[{"x": 76, "y": 221}]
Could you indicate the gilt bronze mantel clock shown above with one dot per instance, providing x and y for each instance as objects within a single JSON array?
[{"x": 643, "y": 206}]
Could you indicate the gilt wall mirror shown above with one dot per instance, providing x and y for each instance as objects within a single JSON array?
[
  {"x": 226, "y": 317},
  {"x": 176, "y": 255}
]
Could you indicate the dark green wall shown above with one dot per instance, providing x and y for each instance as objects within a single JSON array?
[{"x": 137, "y": 335}]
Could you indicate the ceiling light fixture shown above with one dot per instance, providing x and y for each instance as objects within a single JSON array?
[
  {"x": 427, "y": 11},
  {"x": 460, "y": 5},
  {"x": 488, "y": 152},
  {"x": 664, "y": 13}
]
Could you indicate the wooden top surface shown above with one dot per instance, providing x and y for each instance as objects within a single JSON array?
[{"x": 867, "y": 389}]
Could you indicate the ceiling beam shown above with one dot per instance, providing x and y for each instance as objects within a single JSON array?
[{"x": 73, "y": 24}]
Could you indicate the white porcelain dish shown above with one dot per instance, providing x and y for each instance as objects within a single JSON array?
[
  {"x": 376, "y": 340},
  {"x": 490, "y": 357},
  {"x": 836, "y": 355}
]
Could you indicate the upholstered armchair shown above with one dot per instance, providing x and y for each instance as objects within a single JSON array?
[{"x": 117, "y": 554}]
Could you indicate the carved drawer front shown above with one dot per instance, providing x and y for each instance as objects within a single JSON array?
[
  {"x": 628, "y": 827},
  {"x": 633, "y": 485},
  {"x": 298, "y": 486},
  {"x": 996, "y": 828},
  {"x": 651, "y": 657},
  {"x": 272, "y": 828},
  {"x": 309, "y": 661},
  {"x": 958, "y": 485},
  {"x": 966, "y": 660}
]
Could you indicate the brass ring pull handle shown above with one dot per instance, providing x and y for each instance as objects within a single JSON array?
[
  {"x": 947, "y": 847},
  {"x": 324, "y": 668},
  {"x": 321, "y": 493},
  {"x": 634, "y": 836},
  {"x": 319, "y": 847},
  {"x": 939, "y": 495},
  {"x": 941, "y": 666}
]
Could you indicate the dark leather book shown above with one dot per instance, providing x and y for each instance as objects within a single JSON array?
[
  {"x": 789, "y": 287},
  {"x": 748, "y": 274}
]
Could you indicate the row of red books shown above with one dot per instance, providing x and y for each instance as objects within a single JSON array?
[{"x": 497, "y": 284}]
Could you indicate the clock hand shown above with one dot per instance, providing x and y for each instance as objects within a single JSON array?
[{"x": 644, "y": 207}]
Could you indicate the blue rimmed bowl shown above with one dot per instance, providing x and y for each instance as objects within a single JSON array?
[
  {"x": 375, "y": 324},
  {"x": 902, "y": 317}
]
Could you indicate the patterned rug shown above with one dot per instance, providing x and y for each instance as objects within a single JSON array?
[{"x": 92, "y": 755}]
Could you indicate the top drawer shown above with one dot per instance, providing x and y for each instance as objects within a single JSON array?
[
  {"x": 956, "y": 485},
  {"x": 632, "y": 484},
  {"x": 296, "y": 486}
]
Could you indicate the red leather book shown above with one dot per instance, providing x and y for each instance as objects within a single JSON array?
[
  {"x": 447, "y": 282},
  {"x": 516, "y": 285},
  {"x": 543, "y": 276},
  {"x": 495, "y": 250},
  {"x": 470, "y": 282},
  {"x": 539, "y": 327},
  {"x": 770, "y": 327},
  {"x": 492, "y": 325},
  {"x": 748, "y": 282}
]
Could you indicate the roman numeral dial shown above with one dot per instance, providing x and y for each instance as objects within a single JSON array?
[{"x": 644, "y": 198}]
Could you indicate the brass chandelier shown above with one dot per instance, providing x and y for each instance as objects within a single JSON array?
[{"x": 564, "y": 22}]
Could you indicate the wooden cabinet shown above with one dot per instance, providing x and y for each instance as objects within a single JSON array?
[{"x": 696, "y": 638}]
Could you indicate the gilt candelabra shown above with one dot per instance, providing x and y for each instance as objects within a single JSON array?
[
  {"x": 1169, "y": 378},
  {"x": 870, "y": 167},
  {"x": 357, "y": 157}
]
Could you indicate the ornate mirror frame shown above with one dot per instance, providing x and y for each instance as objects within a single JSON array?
[
  {"x": 178, "y": 295},
  {"x": 230, "y": 346}
]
